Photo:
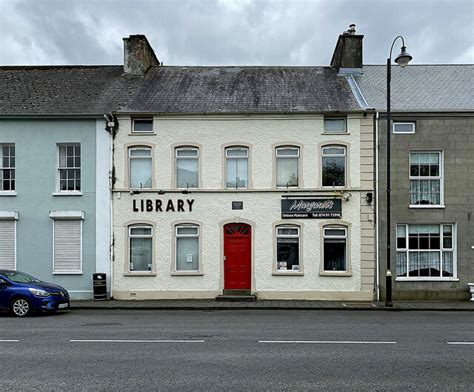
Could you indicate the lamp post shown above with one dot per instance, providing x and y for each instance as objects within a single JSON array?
[{"x": 402, "y": 60}]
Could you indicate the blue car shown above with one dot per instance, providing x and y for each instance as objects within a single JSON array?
[{"x": 23, "y": 294}]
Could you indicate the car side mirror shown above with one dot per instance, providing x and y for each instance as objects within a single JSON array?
[{"x": 3, "y": 282}]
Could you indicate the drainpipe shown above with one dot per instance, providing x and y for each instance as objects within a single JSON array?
[{"x": 376, "y": 158}]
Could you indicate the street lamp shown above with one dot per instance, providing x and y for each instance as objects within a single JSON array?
[{"x": 402, "y": 60}]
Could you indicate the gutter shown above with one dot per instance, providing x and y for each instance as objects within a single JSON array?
[{"x": 376, "y": 176}]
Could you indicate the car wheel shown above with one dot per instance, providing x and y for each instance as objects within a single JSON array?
[{"x": 20, "y": 307}]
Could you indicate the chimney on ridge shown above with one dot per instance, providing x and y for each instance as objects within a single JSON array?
[
  {"x": 138, "y": 55},
  {"x": 348, "y": 51}
]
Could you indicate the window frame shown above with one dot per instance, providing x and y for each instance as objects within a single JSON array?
[
  {"x": 140, "y": 225},
  {"x": 198, "y": 164},
  {"x": 328, "y": 118},
  {"x": 226, "y": 158},
  {"x": 186, "y": 224},
  {"x": 12, "y": 216},
  {"x": 347, "y": 237},
  {"x": 346, "y": 168},
  {"x": 441, "y": 249},
  {"x": 299, "y": 236},
  {"x": 429, "y": 178},
  {"x": 71, "y": 219},
  {"x": 58, "y": 169},
  {"x": 129, "y": 165},
  {"x": 10, "y": 168},
  {"x": 152, "y": 132},
  {"x": 413, "y": 123},
  {"x": 298, "y": 164}
]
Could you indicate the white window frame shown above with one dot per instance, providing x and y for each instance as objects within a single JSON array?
[
  {"x": 130, "y": 157},
  {"x": 300, "y": 254},
  {"x": 430, "y": 178},
  {"x": 323, "y": 155},
  {"x": 12, "y": 168},
  {"x": 345, "y": 237},
  {"x": 12, "y": 216},
  {"x": 143, "y": 132},
  {"x": 59, "y": 168},
  {"x": 412, "y": 123},
  {"x": 196, "y": 158},
  {"x": 75, "y": 218},
  {"x": 441, "y": 250},
  {"x": 177, "y": 235},
  {"x": 296, "y": 157},
  {"x": 344, "y": 119},
  {"x": 129, "y": 239},
  {"x": 227, "y": 157}
]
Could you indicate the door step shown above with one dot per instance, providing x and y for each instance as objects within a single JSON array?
[
  {"x": 237, "y": 296},
  {"x": 238, "y": 292}
]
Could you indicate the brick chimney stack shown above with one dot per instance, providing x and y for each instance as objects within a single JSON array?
[
  {"x": 348, "y": 52},
  {"x": 138, "y": 55}
]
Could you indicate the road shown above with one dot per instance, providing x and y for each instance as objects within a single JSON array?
[{"x": 140, "y": 350}]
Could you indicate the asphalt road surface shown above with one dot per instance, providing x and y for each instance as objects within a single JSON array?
[{"x": 140, "y": 350}]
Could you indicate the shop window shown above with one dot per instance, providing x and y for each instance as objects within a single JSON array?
[
  {"x": 426, "y": 251},
  {"x": 7, "y": 167},
  {"x": 140, "y": 248},
  {"x": 288, "y": 248},
  {"x": 67, "y": 246},
  {"x": 426, "y": 178},
  {"x": 140, "y": 167},
  {"x": 287, "y": 161},
  {"x": 335, "y": 125},
  {"x": 334, "y": 166},
  {"x": 237, "y": 167},
  {"x": 335, "y": 248},
  {"x": 69, "y": 167},
  {"x": 142, "y": 125},
  {"x": 187, "y": 167},
  {"x": 187, "y": 248}
]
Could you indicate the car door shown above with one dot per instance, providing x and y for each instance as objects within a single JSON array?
[{"x": 5, "y": 293}]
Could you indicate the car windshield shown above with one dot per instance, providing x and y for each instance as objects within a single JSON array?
[{"x": 20, "y": 277}]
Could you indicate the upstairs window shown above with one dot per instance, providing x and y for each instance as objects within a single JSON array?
[
  {"x": 334, "y": 166},
  {"x": 287, "y": 166},
  {"x": 426, "y": 175},
  {"x": 69, "y": 167},
  {"x": 335, "y": 125},
  {"x": 7, "y": 167},
  {"x": 142, "y": 125},
  {"x": 187, "y": 167},
  {"x": 404, "y": 127},
  {"x": 140, "y": 167},
  {"x": 236, "y": 167}
]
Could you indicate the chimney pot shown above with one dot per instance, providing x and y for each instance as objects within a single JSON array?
[{"x": 348, "y": 51}]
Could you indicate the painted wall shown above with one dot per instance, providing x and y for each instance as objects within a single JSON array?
[
  {"x": 212, "y": 206},
  {"x": 36, "y": 167}
]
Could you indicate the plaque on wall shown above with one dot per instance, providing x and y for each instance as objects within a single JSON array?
[{"x": 237, "y": 205}]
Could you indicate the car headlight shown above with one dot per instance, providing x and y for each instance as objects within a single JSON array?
[{"x": 39, "y": 293}]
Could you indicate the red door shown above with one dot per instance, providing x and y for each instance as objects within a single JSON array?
[{"x": 237, "y": 244}]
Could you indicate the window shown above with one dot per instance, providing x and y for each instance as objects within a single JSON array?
[
  {"x": 288, "y": 248},
  {"x": 8, "y": 239},
  {"x": 7, "y": 167},
  {"x": 140, "y": 167},
  {"x": 335, "y": 248},
  {"x": 403, "y": 127},
  {"x": 334, "y": 165},
  {"x": 67, "y": 248},
  {"x": 426, "y": 174},
  {"x": 335, "y": 125},
  {"x": 287, "y": 166},
  {"x": 426, "y": 251},
  {"x": 237, "y": 167},
  {"x": 187, "y": 248},
  {"x": 187, "y": 167},
  {"x": 140, "y": 248},
  {"x": 142, "y": 125},
  {"x": 69, "y": 167}
]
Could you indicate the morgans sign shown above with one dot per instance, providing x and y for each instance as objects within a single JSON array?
[{"x": 311, "y": 208}]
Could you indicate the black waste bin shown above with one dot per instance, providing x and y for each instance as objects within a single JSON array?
[{"x": 99, "y": 283}]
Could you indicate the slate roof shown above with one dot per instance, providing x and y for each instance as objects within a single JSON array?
[
  {"x": 420, "y": 87},
  {"x": 170, "y": 89}
]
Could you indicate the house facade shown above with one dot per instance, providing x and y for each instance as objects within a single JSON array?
[{"x": 242, "y": 180}]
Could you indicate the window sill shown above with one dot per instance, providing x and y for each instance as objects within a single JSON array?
[
  {"x": 335, "y": 133},
  {"x": 335, "y": 273},
  {"x": 139, "y": 274},
  {"x": 67, "y": 193},
  {"x": 67, "y": 272},
  {"x": 187, "y": 273},
  {"x": 142, "y": 134},
  {"x": 425, "y": 206},
  {"x": 8, "y": 193},
  {"x": 287, "y": 273},
  {"x": 432, "y": 279}
]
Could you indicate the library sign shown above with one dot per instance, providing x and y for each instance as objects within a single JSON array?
[
  {"x": 311, "y": 208},
  {"x": 158, "y": 205}
]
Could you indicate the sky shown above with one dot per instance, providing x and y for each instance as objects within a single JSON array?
[{"x": 232, "y": 32}]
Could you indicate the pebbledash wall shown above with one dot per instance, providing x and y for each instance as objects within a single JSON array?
[{"x": 212, "y": 206}]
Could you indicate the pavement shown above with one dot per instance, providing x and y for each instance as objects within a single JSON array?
[{"x": 199, "y": 304}]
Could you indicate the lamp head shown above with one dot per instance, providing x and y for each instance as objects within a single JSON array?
[{"x": 403, "y": 58}]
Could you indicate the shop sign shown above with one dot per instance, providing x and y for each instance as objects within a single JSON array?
[
  {"x": 311, "y": 208},
  {"x": 158, "y": 205}
]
